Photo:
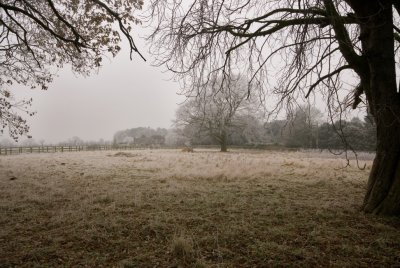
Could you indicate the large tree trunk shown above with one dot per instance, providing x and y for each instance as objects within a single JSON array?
[
  {"x": 379, "y": 83},
  {"x": 383, "y": 190},
  {"x": 223, "y": 143}
]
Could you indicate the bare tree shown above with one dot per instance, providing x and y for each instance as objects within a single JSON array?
[
  {"x": 216, "y": 109},
  {"x": 292, "y": 49},
  {"x": 39, "y": 36},
  {"x": 301, "y": 129}
]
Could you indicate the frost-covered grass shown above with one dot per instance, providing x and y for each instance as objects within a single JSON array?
[{"x": 166, "y": 208}]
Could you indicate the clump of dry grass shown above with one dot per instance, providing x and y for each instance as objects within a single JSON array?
[
  {"x": 182, "y": 249},
  {"x": 241, "y": 209}
]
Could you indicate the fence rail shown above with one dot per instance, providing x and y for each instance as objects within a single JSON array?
[{"x": 54, "y": 149}]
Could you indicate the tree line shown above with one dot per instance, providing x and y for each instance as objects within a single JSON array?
[{"x": 302, "y": 130}]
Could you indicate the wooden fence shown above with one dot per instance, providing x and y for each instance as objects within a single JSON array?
[{"x": 53, "y": 149}]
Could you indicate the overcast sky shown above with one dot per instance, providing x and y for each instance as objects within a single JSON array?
[{"x": 124, "y": 94}]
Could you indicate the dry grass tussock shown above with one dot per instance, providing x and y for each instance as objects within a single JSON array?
[{"x": 163, "y": 208}]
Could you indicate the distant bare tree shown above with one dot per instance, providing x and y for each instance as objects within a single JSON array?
[
  {"x": 74, "y": 141},
  {"x": 39, "y": 36},
  {"x": 302, "y": 127},
  {"x": 291, "y": 49},
  {"x": 42, "y": 142},
  {"x": 216, "y": 109}
]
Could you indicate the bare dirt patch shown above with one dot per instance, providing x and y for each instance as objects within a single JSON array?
[
  {"x": 163, "y": 209},
  {"x": 124, "y": 154}
]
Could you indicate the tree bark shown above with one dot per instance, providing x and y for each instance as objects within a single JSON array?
[
  {"x": 379, "y": 83},
  {"x": 223, "y": 142},
  {"x": 224, "y": 147},
  {"x": 383, "y": 190}
]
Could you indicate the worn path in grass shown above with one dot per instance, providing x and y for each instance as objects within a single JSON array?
[{"x": 205, "y": 209}]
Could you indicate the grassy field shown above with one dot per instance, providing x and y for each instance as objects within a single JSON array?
[{"x": 166, "y": 208}]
